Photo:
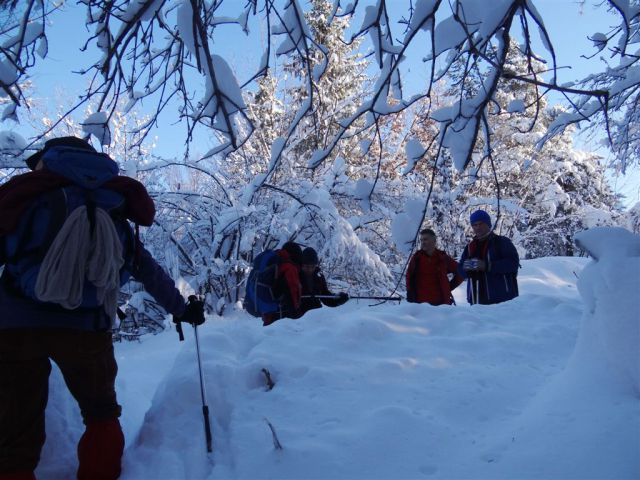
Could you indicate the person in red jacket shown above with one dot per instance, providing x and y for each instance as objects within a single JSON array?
[
  {"x": 287, "y": 286},
  {"x": 427, "y": 274}
]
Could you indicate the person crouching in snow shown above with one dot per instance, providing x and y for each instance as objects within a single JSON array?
[{"x": 314, "y": 284}]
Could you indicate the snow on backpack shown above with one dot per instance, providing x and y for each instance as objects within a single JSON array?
[
  {"x": 74, "y": 246},
  {"x": 259, "y": 296}
]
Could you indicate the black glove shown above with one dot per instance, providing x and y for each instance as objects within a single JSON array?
[
  {"x": 193, "y": 312},
  {"x": 343, "y": 297}
]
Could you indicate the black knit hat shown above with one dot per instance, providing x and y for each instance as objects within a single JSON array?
[
  {"x": 74, "y": 142},
  {"x": 294, "y": 251},
  {"x": 310, "y": 257}
]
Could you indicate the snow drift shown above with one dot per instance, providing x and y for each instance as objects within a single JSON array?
[{"x": 544, "y": 386}]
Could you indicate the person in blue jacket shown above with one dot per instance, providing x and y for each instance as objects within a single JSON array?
[
  {"x": 489, "y": 263},
  {"x": 77, "y": 337}
]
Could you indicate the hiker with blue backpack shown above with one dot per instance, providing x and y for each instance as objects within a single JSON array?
[
  {"x": 273, "y": 289},
  {"x": 490, "y": 264},
  {"x": 287, "y": 283},
  {"x": 67, "y": 247}
]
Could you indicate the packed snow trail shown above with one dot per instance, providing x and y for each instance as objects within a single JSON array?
[{"x": 391, "y": 392}]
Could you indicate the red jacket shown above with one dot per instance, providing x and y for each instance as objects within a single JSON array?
[{"x": 427, "y": 279}]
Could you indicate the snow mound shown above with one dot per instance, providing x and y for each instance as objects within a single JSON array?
[
  {"x": 515, "y": 390},
  {"x": 610, "y": 287}
]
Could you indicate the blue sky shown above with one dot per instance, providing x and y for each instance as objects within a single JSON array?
[{"x": 567, "y": 21}]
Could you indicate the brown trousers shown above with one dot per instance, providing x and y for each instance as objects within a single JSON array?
[{"x": 89, "y": 369}]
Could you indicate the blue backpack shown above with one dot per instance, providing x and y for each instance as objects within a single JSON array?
[
  {"x": 27, "y": 246},
  {"x": 259, "y": 296}
]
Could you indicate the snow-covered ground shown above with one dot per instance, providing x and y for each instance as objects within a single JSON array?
[{"x": 546, "y": 386}]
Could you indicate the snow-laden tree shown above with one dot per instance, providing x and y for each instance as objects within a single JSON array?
[
  {"x": 164, "y": 52},
  {"x": 292, "y": 203},
  {"x": 539, "y": 195},
  {"x": 335, "y": 95},
  {"x": 547, "y": 193}
]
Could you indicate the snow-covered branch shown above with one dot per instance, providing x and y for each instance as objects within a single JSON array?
[{"x": 162, "y": 52}]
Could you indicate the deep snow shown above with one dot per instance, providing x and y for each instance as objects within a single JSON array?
[{"x": 516, "y": 390}]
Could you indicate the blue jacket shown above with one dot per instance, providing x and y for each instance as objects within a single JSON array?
[
  {"x": 19, "y": 311},
  {"x": 498, "y": 283}
]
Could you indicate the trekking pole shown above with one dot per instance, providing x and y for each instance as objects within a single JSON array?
[
  {"x": 394, "y": 299},
  {"x": 471, "y": 285},
  {"x": 205, "y": 406},
  {"x": 477, "y": 290},
  {"x": 474, "y": 289}
]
